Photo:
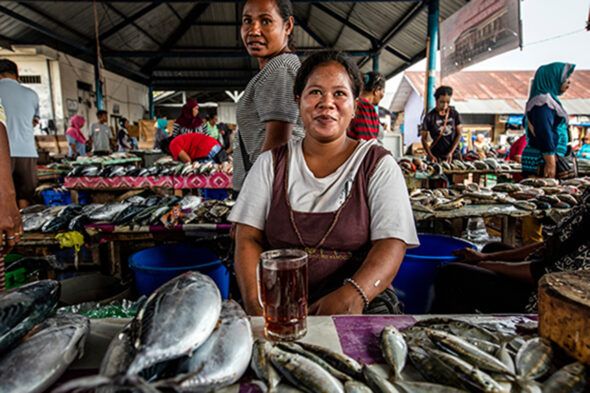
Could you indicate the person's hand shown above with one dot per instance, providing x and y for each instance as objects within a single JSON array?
[
  {"x": 469, "y": 255},
  {"x": 449, "y": 158},
  {"x": 549, "y": 171},
  {"x": 344, "y": 300},
  {"x": 10, "y": 226}
]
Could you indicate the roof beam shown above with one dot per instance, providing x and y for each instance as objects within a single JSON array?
[
  {"x": 414, "y": 59},
  {"x": 210, "y": 53},
  {"x": 311, "y": 33},
  {"x": 127, "y": 20},
  {"x": 50, "y": 18},
  {"x": 343, "y": 25},
  {"x": 409, "y": 16},
  {"x": 361, "y": 31},
  {"x": 177, "y": 34}
]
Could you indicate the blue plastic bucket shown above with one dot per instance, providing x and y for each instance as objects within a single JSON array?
[
  {"x": 415, "y": 278},
  {"x": 154, "y": 266}
]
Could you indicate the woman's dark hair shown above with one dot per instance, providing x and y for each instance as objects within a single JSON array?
[
  {"x": 373, "y": 81},
  {"x": 324, "y": 57},
  {"x": 285, "y": 8},
  {"x": 443, "y": 91},
  {"x": 122, "y": 122}
]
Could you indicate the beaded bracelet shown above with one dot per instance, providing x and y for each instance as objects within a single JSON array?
[{"x": 358, "y": 289}]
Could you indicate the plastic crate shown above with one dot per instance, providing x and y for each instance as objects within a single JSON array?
[
  {"x": 56, "y": 198},
  {"x": 214, "y": 193}
]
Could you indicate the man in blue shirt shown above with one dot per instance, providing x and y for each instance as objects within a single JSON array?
[{"x": 22, "y": 114}]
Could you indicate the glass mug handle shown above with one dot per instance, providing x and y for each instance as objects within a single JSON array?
[{"x": 258, "y": 291}]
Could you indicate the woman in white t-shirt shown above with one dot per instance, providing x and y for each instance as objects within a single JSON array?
[{"x": 341, "y": 200}]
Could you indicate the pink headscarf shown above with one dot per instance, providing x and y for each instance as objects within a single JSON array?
[
  {"x": 186, "y": 119},
  {"x": 76, "y": 123}
]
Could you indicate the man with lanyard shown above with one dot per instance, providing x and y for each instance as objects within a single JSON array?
[{"x": 443, "y": 125}]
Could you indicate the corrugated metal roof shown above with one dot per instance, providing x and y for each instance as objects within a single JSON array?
[
  {"x": 495, "y": 91},
  {"x": 73, "y": 27}
]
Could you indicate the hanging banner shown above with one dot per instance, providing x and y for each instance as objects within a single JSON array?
[{"x": 479, "y": 30}]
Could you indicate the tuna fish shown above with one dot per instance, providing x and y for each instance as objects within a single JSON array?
[
  {"x": 41, "y": 359},
  {"x": 107, "y": 212},
  {"x": 24, "y": 307}
]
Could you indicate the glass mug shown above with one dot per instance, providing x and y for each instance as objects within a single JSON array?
[{"x": 282, "y": 293}]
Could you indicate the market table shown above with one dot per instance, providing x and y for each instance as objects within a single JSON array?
[
  {"x": 356, "y": 336},
  {"x": 217, "y": 180}
]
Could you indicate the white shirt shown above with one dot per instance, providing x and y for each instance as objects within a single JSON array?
[{"x": 389, "y": 203}]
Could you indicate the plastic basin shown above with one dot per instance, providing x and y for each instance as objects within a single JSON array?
[
  {"x": 154, "y": 266},
  {"x": 415, "y": 278}
]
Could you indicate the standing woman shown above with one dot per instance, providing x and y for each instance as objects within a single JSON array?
[
  {"x": 365, "y": 124},
  {"x": 546, "y": 128},
  {"x": 75, "y": 137},
  {"x": 123, "y": 138},
  {"x": 267, "y": 114},
  {"x": 189, "y": 120}
]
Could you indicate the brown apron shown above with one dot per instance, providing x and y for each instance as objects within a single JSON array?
[{"x": 336, "y": 242}]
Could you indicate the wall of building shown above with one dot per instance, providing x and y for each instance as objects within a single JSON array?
[
  {"x": 60, "y": 97},
  {"x": 412, "y": 116}
]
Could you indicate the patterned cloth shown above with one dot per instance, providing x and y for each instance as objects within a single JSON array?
[
  {"x": 568, "y": 249},
  {"x": 365, "y": 124}
]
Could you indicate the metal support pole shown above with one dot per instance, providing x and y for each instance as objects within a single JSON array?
[
  {"x": 152, "y": 109},
  {"x": 433, "y": 16},
  {"x": 98, "y": 87},
  {"x": 376, "y": 62}
]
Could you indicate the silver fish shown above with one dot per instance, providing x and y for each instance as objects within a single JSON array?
[
  {"x": 533, "y": 359},
  {"x": 569, "y": 379},
  {"x": 108, "y": 212},
  {"x": 486, "y": 346},
  {"x": 356, "y": 387},
  {"x": 377, "y": 383},
  {"x": 504, "y": 356},
  {"x": 305, "y": 373},
  {"x": 459, "y": 328},
  {"x": 262, "y": 365},
  {"x": 175, "y": 320},
  {"x": 222, "y": 359},
  {"x": 40, "y": 360},
  {"x": 434, "y": 369},
  {"x": 24, "y": 307},
  {"x": 467, "y": 351},
  {"x": 469, "y": 373},
  {"x": 119, "y": 355},
  {"x": 339, "y": 361},
  {"x": 296, "y": 348},
  {"x": 425, "y": 387},
  {"x": 394, "y": 349}
]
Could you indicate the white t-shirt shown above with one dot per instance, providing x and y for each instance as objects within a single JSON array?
[{"x": 389, "y": 203}]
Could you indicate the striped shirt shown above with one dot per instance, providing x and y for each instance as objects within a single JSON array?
[
  {"x": 177, "y": 129},
  {"x": 268, "y": 97},
  {"x": 365, "y": 124}
]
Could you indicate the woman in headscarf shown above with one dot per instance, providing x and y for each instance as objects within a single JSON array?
[
  {"x": 161, "y": 132},
  {"x": 75, "y": 137},
  {"x": 189, "y": 120},
  {"x": 546, "y": 125},
  {"x": 123, "y": 137}
]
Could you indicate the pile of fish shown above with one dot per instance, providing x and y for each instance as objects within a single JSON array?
[
  {"x": 184, "y": 339},
  {"x": 134, "y": 211},
  {"x": 33, "y": 363},
  {"x": 160, "y": 168},
  {"x": 446, "y": 356},
  {"x": 415, "y": 166},
  {"x": 529, "y": 194}
]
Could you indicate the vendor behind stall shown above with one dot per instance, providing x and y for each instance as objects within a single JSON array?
[
  {"x": 195, "y": 146},
  {"x": 75, "y": 137},
  {"x": 124, "y": 141},
  {"x": 443, "y": 125},
  {"x": 341, "y": 200},
  {"x": 100, "y": 135}
]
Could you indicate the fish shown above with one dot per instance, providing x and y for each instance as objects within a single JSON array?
[
  {"x": 119, "y": 354},
  {"x": 222, "y": 359},
  {"x": 296, "y": 348},
  {"x": 467, "y": 351},
  {"x": 569, "y": 379},
  {"x": 533, "y": 359},
  {"x": 34, "y": 222},
  {"x": 378, "y": 383},
  {"x": 339, "y": 361},
  {"x": 24, "y": 307},
  {"x": 432, "y": 368},
  {"x": 62, "y": 220},
  {"x": 469, "y": 373},
  {"x": 35, "y": 364},
  {"x": 394, "y": 350},
  {"x": 425, "y": 387},
  {"x": 107, "y": 212},
  {"x": 33, "y": 209},
  {"x": 459, "y": 328},
  {"x": 504, "y": 356},
  {"x": 128, "y": 214},
  {"x": 356, "y": 387},
  {"x": 486, "y": 346},
  {"x": 77, "y": 223},
  {"x": 175, "y": 320},
  {"x": 262, "y": 365},
  {"x": 304, "y": 373}
]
